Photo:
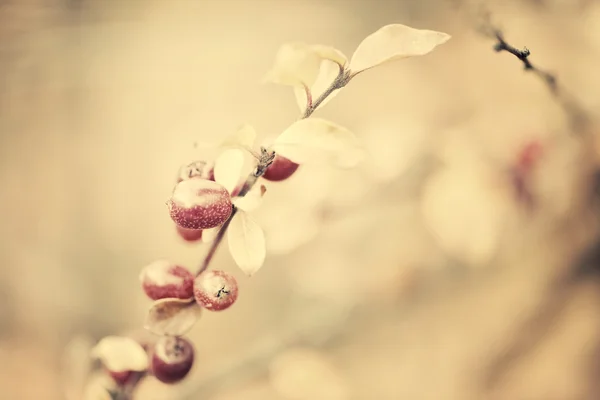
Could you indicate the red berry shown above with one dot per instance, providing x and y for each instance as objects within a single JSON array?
[
  {"x": 197, "y": 169},
  {"x": 215, "y": 290},
  {"x": 122, "y": 377},
  {"x": 529, "y": 155},
  {"x": 163, "y": 279},
  {"x": 281, "y": 168},
  {"x": 189, "y": 235},
  {"x": 172, "y": 359},
  {"x": 199, "y": 204}
]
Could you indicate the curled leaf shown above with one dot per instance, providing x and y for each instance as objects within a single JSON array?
[
  {"x": 244, "y": 137},
  {"x": 251, "y": 201},
  {"x": 228, "y": 168},
  {"x": 332, "y": 60},
  {"x": 172, "y": 317},
  {"x": 331, "y": 54},
  {"x": 246, "y": 243},
  {"x": 296, "y": 64},
  {"x": 320, "y": 141},
  {"x": 393, "y": 42},
  {"x": 119, "y": 354}
]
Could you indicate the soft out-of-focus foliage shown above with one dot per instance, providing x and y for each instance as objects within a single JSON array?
[{"x": 424, "y": 274}]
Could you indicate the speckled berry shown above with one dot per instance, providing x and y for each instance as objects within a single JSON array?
[
  {"x": 215, "y": 290},
  {"x": 163, "y": 279},
  {"x": 172, "y": 359},
  {"x": 196, "y": 169},
  {"x": 199, "y": 204},
  {"x": 189, "y": 235},
  {"x": 281, "y": 169}
]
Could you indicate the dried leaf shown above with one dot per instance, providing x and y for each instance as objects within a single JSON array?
[
  {"x": 172, "y": 317},
  {"x": 393, "y": 42},
  {"x": 252, "y": 200},
  {"x": 246, "y": 243},
  {"x": 228, "y": 168},
  {"x": 244, "y": 137},
  {"x": 320, "y": 141},
  {"x": 119, "y": 354},
  {"x": 296, "y": 64}
]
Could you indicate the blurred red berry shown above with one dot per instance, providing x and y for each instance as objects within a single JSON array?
[
  {"x": 162, "y": 279},
  {"x": 172, "y": 359},
  {"x": 281, "y": 169},
  {"x": 215, "y": 290},
  {"x": 529, "y": 155},
  {"x": 121, "y": 378},
  {"x": 199, "y": 204},
  {"x": 189, "y": 235}
]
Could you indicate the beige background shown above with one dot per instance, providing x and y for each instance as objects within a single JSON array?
[{"x": 417, "y": 276}]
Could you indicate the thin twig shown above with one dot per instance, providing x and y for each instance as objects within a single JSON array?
[
  {"x": 267, "y": 157},
  {"x": 523, "y": 55},
  {"x": 578, "y": 118}
]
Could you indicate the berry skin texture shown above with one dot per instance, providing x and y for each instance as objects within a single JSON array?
[
  {"x": 163, "y": 279},
  {"x": 199, "y": 204},
  {"x": 215, "y": 290},
  {"x": 189, "y": 235},
  {"x": 172, "y": 359},
  {"x": 196, "y": 169},
  {"x": 281, "y": 169}
]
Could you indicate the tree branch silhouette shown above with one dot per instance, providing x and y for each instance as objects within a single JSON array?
[{"x": 578, "y": 118}]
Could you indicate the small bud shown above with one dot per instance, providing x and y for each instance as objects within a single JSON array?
[
  {"x": 163, "y": 279},
  {"x": 197, "y": 169},
  {"x": 199, "y": 204},
  {"x": 189, "y": 235},
  {"x": 172, "y": 359},
  {"x": 281, "y": 169},
  {"x": 215, "y": 290}
]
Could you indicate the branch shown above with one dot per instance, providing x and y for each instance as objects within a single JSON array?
[
  {"x": 266, "y": 158},
  {"x": 578, "y": 118},
  {"x": 523, "y": 55}
]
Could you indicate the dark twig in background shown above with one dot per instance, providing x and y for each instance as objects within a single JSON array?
[
  {"x": 578, "y": 118},
  {"x": 523, "y": 55}
]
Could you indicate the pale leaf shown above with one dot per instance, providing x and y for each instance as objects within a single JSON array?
[
  {"x": 251, "y": 201},
  {"x": 172, "y": 317},
  {"x": 329, "y": 69},
  {"x": 244, "y": 137},
  {"x": 228, "y": 168},
  {"x": 331, "y": 54},
  {"x": 296, "y": 64},
  {"x": 246, "y": 243},
  {"x": 327, "y": 74},
  {"x": 119, "y": 354},
  {"x": 394, "y": 42},
  {"x": 209, "y": 235},
  {"x": 319, "y": 141}
]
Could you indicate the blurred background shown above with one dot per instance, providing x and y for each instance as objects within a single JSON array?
[{"x": 458, "y": 262}]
